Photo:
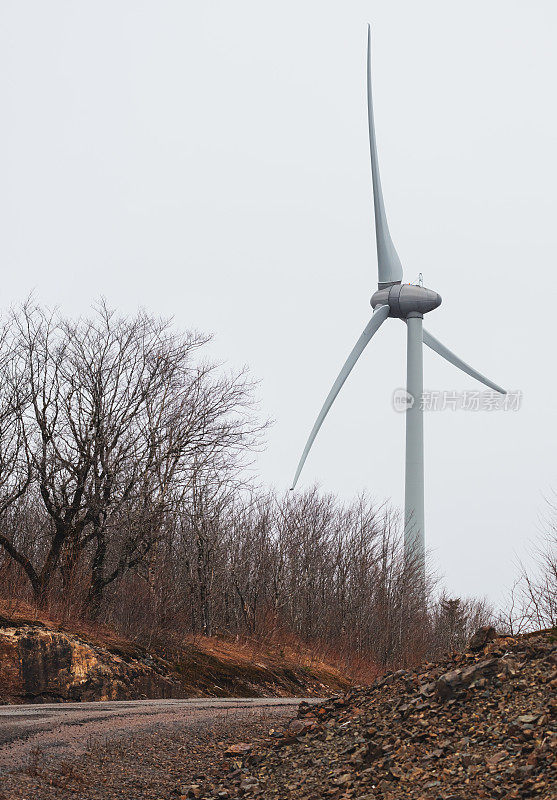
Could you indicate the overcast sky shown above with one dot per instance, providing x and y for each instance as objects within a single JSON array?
[{"x": 209, "y": 160}]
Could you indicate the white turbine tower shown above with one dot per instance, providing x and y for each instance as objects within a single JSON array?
[{"x": 409, "y": 303}]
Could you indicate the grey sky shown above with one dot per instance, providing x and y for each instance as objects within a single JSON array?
[{"x": 209, "y": 160}]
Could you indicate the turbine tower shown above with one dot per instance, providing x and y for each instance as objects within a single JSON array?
[{"x": 408, "y": 303}]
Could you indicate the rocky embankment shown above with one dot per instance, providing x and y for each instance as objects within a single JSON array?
[
  {"x": 41, "y": 664},
  {"x": 482, "y": 724}
]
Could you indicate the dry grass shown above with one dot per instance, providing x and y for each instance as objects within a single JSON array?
[
  {"x": 285, "y": 650},
  {"x": 217, "y": 665},
  {"x": 279, "y": 649}
]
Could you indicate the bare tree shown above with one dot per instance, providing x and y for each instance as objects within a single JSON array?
[
  {"x": 203, "y": 520},
  {"x": 121, "y": 415},
  {"x": 15, "y": 472},
  {"x": 252, "y": 556},
  {"x": 536, "y": 588}
]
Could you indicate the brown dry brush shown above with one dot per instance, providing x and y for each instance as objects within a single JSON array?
[{"x": 123, "y": 499}]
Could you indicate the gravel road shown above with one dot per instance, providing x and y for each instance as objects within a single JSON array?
[{"x": 67, "y": 730}]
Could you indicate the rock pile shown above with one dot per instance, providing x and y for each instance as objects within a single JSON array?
[{"x": 481, "y": 724}]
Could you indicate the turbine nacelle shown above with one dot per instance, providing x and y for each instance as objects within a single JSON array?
[{"x": 406, "y": 300}]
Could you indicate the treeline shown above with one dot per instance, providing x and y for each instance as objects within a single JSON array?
[{"x": 124, "y": 499}]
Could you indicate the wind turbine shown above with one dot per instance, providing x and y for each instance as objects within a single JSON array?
[{"x": 409, "y": 303}]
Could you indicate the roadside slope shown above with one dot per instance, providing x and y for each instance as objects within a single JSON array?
[{"x": 42, "y": 662}]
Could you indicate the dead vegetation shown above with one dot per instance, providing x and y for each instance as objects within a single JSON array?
[
  {"x": 44, "y": 661},
  {"x": 128, "y": 517}
]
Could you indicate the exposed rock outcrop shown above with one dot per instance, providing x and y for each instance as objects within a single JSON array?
[{"x": 39, "y": 663}]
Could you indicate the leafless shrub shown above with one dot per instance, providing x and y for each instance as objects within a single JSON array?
[{"x": 532, "y": 604}]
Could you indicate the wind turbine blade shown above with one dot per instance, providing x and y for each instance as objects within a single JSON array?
[
  {"x": 379, "y": 316},
  {"x": 436, "y": 345},
  {"x": 388, "y": 262}
]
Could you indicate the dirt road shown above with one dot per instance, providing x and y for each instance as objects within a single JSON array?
[{"x": 67, "y": 730}]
